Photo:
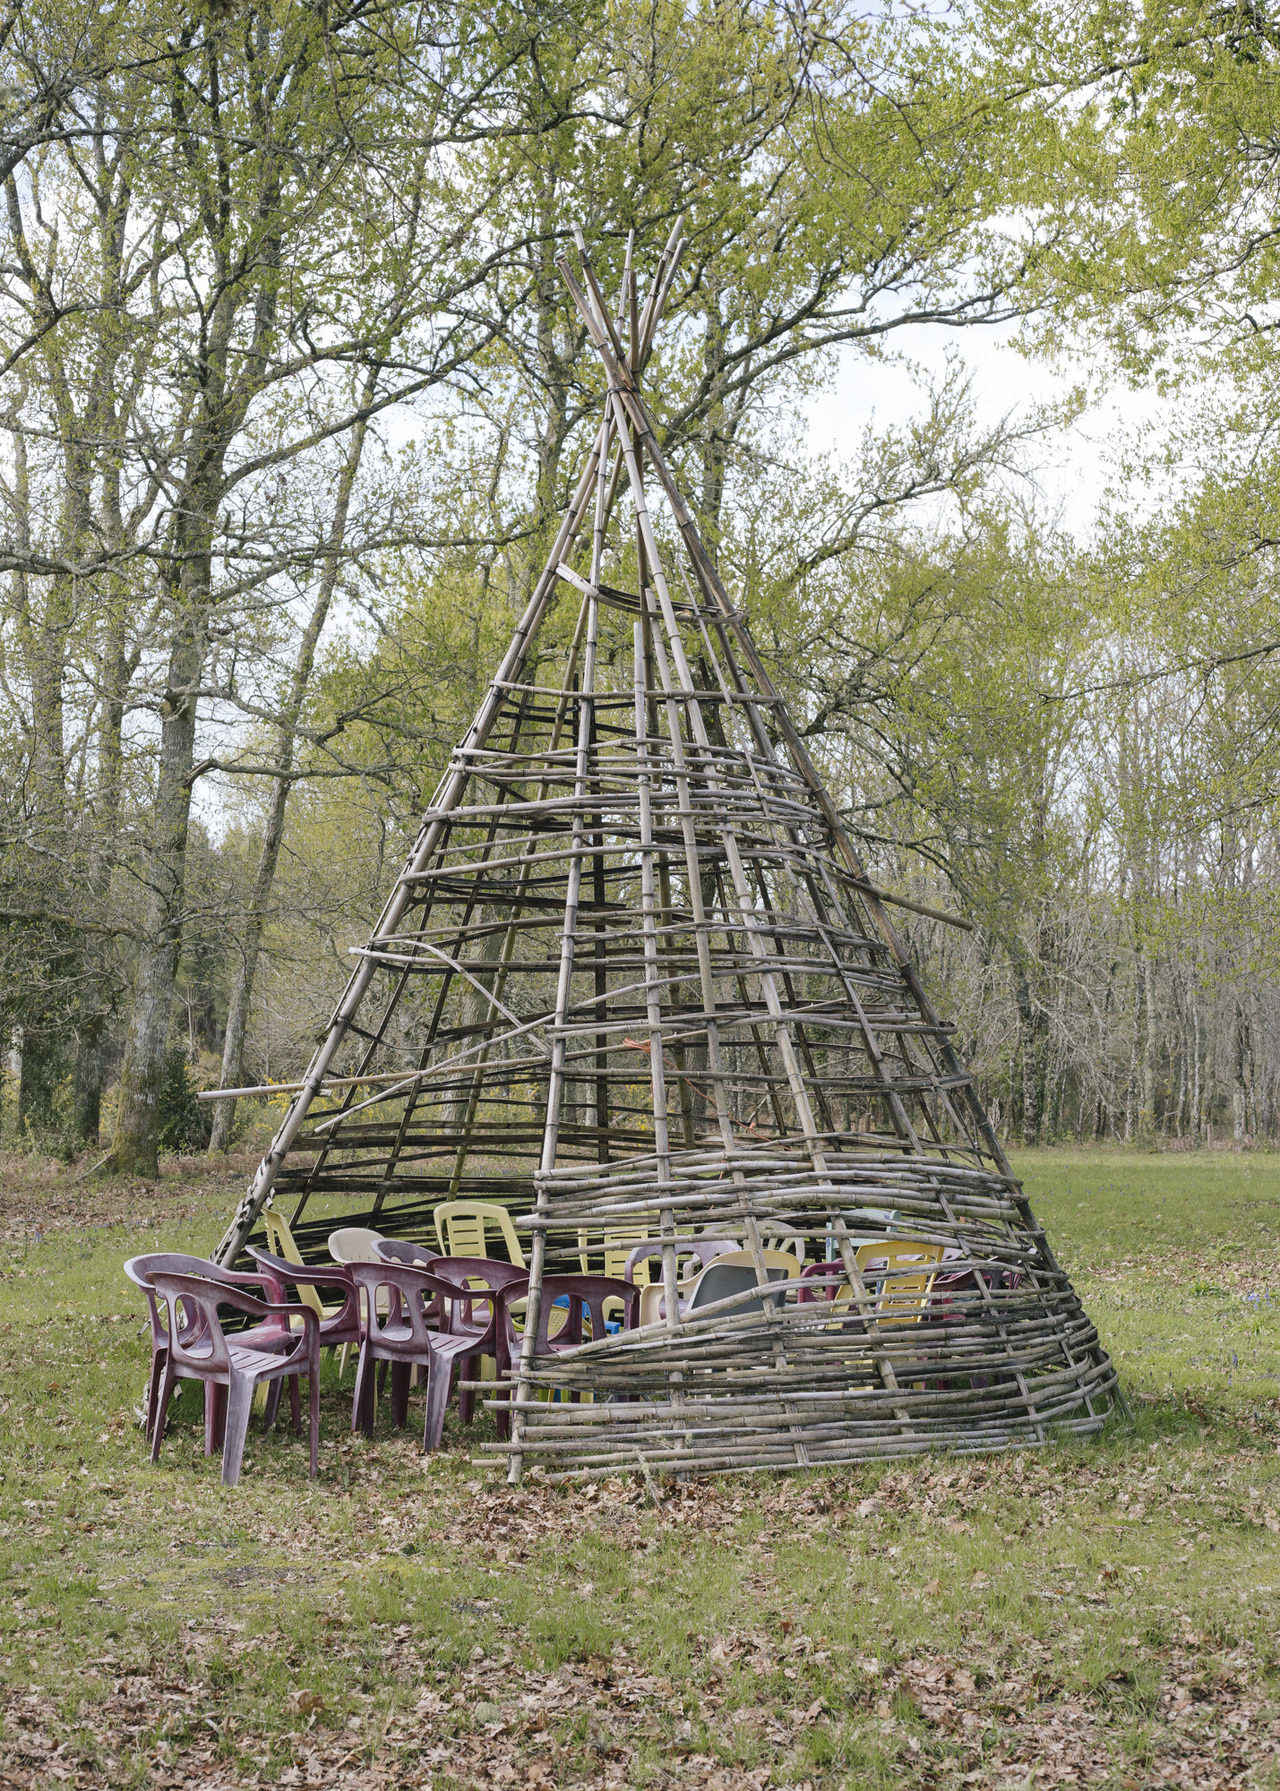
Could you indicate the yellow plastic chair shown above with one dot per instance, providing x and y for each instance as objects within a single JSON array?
[
  {"x": 905, "y": 1287},
  {"x": 462, "y": 1229},
  {"x": 280, "y": 1242},
  {"x": 651, "y": 1298},
  {"x": 616, "y": 1247}
]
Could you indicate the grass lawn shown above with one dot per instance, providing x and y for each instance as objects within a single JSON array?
[{"x": 1088, "y": 1615}]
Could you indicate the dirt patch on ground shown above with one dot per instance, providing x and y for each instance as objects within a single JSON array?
[{"x": 40, "y": 1197}]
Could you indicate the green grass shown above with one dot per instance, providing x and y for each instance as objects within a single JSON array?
[
  {"x": 1098, "y": 1614},
  {"x": 1177, "y": 1258}
]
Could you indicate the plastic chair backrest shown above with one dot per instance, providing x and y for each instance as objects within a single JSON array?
[
  {"x": 478, "y": 1272},
  {"x": 903, "y": 1294},
  {"x": 140, "y": 1270},
  {"x": 353, "y": 1243},
  {"x": 415, "y": 1256},
  {"x": 725, "y": 1277},
  {"x": 477, "y": 1275},
  {"x": 395, "y": 1295},
  {"x": 773, "y": 1259},
  {"x": 280, "y": 1240},
  {"x": 710, "y": 1251},
  {"x": 281, "y": 1243},
  {"x": 317, "y": 1276},
  {"x": 649, "y": 1257},
  {"x": 618, "y": 1248},
  {"x": 586, "y": 1294},
  {"x": 192, "y": 1302},
  {"x": 462, "y": 1229},
  {"x": 824, "y": 1281}
]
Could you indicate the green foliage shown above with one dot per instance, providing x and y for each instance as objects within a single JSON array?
[
  {"x": 1077, "y": 746},
  {"x": 182, "y": 1121}
]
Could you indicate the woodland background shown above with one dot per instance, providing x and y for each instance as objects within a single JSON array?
[{"x": 291, "y": 398}]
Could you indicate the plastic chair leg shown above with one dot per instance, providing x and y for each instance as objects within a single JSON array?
[
  {"x": 239, "y": 1405},
  {"x": 439, "y": 1377},
  {"x": 468, "y": 1370},
  {"x": 215, "y": 1415},
  {"x": 314, "y": 1402},
  {"x": 400, "y": 1394},
  {"x": 502, "y": 1417},
  {"x": 365, "y": 1397},
  {"x": 166, "y": 1390},
  {"x": 153, "y": 1390}
]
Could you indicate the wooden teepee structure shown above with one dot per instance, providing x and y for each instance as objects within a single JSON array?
[{"x": 634, "y": 980}]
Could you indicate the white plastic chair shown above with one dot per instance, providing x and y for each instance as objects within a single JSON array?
[{"x": 652, "y": 1306}]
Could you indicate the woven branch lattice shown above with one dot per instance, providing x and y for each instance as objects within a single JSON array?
[{"x": 634, "y": 979}]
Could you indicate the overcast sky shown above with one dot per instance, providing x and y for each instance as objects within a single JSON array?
[{"x": 1074, "y": 466}]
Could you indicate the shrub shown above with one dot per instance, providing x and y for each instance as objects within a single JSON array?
[{"x": 184, "y": 1122}]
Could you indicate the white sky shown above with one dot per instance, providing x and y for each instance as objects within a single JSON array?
[{"x": 1075, "y": 467}]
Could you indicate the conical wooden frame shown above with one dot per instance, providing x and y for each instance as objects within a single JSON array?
[{"x": 634, "y": 983}]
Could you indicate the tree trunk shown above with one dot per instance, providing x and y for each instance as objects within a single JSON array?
[
  {"x": 1239, "y": 1081},
  {"x": 1031, "y": 1030},
  {"x": 134, "y": 1148},
  {"x": 1197, "y": 1117},
  {"x": 285, "y": 746},
  {"x": 44, "y": 1066},
  {"x": 1147, "y": 1046},
  {"x": 114, "y": 673}
]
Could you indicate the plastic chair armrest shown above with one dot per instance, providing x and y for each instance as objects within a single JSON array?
[
  {"x": 242, "y": 1302},
  {"x": 288, "y": 1312}
]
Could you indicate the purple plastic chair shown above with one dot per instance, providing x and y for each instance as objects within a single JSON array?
[
  {"x": 586, "y": 1295},
  {"x": 479, "y": 1275},
  {"x": 139, "y": 1269},
  {"x": 200, "y": 1350},
  {"x": 945, "y": 1308},
  {"x": 403, "y": 1334},
  {"x": 344, "y": 1325},
  {"x": 829, "y": 1276},
  {"x": 414, "y": 1256},
  {"x": 960, "y": 1281}
]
